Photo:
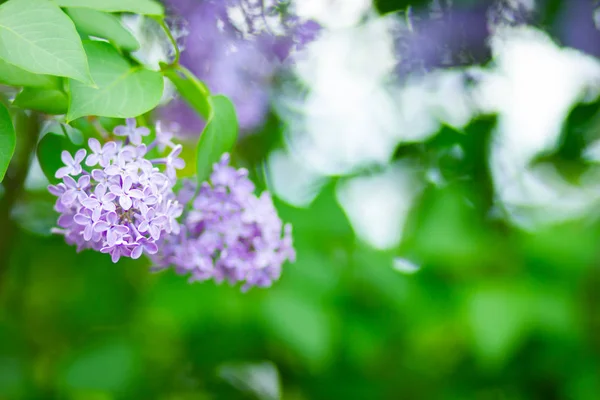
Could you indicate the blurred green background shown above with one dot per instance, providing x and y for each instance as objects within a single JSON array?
[{"x": 492, "y": 312}]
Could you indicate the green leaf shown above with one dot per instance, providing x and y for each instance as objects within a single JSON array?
[
  {"x": 15, "y": 76},
  {"x": 104, "y": 25},
  {"x": 49, "y": 101},
  {"x": 219, "y": 135},
  {"x": 122, "y": 91},
  {"x": 37, "y": 36},
  {"x": 146, "y": 7},
  {"x": 8, "y": 140},
  {"x": 49, "y": 150},
  {"x": 194, "y": 92}
]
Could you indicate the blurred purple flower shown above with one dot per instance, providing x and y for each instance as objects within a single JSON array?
[
  {"x": 236, "y": 47},
  {"x": 230, "y": 234}
]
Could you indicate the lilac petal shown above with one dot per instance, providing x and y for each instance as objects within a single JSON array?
[
  {"x": 151, "y": 200},
  {"x": 109, "y": 206},
  {"x": 160, "y": 220},
  {"x": 70, "y": 182},
  {"x": 100, "y": 190},
  {"x": 136, "y": 193},
  {"x": 121, "y": 130},
  {"x": 116, "y": 189},
  {"x": 96, "y": 214},
  {"x": 90, "y": 203},
  {"x": 121, "y": 229},
  {"x": 101, "y": 226},
  {"x": 112, "y": 218},
  {"x": 92, "y": 160},
  {"x": 82, "y": 219},
  {"x": 115, "y": 254},
  {"x": 94, "y": 145},
  {"x": 87, "y": 232},
  {"x": 127, "y": 182},
  {"x": 111, "y": 237},
  {"x": 143, "y": 226},
  {"x": 176, "y": 151},
  {"x": 110, "y": 147},
  {"x": 112, "y": 170},
  {"x": 84, "y": 181},
  {"x": 155, "y": 232},
  {"x": 98, "y": 175},
  {"x": 68, "y": 197},
  {"x": 125, "y": 202},
  {"x": 56, "y": 190},
  {"x": 108, "y": 197},
  {"x": 62, "y": 172},
  {"x": 178, "y": 163},
  {"x": 136, "y": 252},
  {"x": 65, "y": 221},
  {"x": 80, "y": 155},
  {"x": 151, "y": 247},
  {"x": 131, "y": 123},
  {"x": 67, "y": 158}
]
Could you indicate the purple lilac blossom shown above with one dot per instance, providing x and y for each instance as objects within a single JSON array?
[
  {"x": 125, "y": 204},
  {"x": 228, "y": 234},
  {"x": 236, "y": 56}
]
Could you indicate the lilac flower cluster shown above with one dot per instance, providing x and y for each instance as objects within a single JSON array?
[
  {"x": 229, "y": 233},
  {"x": 121, "y": 204}
]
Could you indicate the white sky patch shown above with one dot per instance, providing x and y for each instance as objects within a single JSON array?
[
  {"x": 533, "y": 85},
  {"x": 293, "y": 182},
  {"x": 333, "y": 14},
  {"x": 378, "y": 205}
]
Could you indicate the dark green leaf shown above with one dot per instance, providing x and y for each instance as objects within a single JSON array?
[
  {"x": 147, "y": 7},
  {"x": 49, "y": 101},
  {"x": 37, "y": 36},
  {"x": 104, "y": 25},
  {"x": 122, "y": 90},
  {"x": 7, "y": 140},
  {"x": 219, "y": 135},
  {"x": 193, "y": 91}
]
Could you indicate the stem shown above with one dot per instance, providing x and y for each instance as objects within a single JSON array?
[
  {"x": 165, "y": 28},
  {"x": 28, "y": 129},
  {"x": 192, "y": 78}
]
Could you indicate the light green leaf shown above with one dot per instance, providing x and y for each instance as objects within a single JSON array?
[
  {"x": 7, "y": 140},
  {"x": 219, "y": 135},
  {"x": 37, "y": 36},
  {"x": 122, "y": 91},
  {"x": 15, "y": 76},
  {"x": 193, "y": 91},
  {"x": 104, "y": 25},
  {"x": 147, "y": 7},
  {"x": 49, "y": 101}
]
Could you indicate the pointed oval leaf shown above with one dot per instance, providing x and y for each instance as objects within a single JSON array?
[
  {"x": 15, "y": 76},
  {"x": 146, "y": 7},
  {"x": 219, "y": 135},
  {"x": 37, "y": 36},
  {"x": 49, "y": 101},
  {"x": 104, "y": 25},
  {"x": 8, "y": 140},
  {"x": 122, "y": 91}
]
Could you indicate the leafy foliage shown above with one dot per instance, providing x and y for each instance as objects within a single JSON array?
[
  {"x": 218, "y": 137},
  {"x": 121, "y": 90},
  {"x": 7, "y": 140},
  {"x": 37, "y": 36}
]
